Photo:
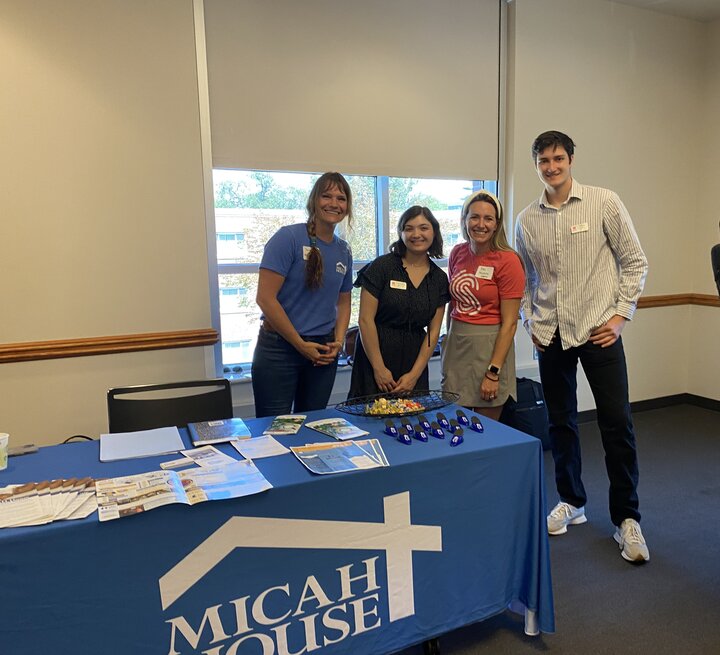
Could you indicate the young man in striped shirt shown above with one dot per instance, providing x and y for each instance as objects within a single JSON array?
[{"x": 585, "y": 272}]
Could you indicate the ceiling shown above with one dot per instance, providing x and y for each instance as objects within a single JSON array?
[{"x": 704, "y": 11}]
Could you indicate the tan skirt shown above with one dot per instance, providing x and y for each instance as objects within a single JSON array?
[{"x": 466, "y": 352}]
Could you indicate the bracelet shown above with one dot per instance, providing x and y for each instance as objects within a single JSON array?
[{"x": 497, "y": 379}]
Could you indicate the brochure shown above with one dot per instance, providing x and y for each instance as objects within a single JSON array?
[
  {"x": 263, "y": 446},
  {"x": 207, "y": 456},
  {"x": 324, "y": 458},
  {"x": 134, "y": 494},
  {"x": 208, "y": 432},
  {"x": 37, "y": 503},
  {"x": 286, "y": 424},
  {"x": 338, "y": 428}
]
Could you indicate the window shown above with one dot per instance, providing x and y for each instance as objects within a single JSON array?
[
  {"x": 250, "y": 206},
  {"x": 236, "y": 237}
]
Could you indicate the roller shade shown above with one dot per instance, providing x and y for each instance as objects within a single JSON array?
[{"x": 379, "y": 87}]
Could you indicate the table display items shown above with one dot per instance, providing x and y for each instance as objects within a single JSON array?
[
  {"x": 286, "y": 424},
  {"x": 324, "y": 458},
  {"x": 134, "y": 494},
  {"x": 406, "y": 403},
  {"x": 204, "y": 433},
  {"x": 337, "y": 428},
  {"x": 139, "y": 443},
  {"x": 38, "y": 503},
  {"x": 406, "y": 432}
]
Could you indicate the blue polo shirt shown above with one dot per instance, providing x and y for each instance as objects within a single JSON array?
[{"x": 311, "y": 311}]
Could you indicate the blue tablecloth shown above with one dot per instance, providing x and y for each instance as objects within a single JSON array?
[{"x": 362, "y": 562}]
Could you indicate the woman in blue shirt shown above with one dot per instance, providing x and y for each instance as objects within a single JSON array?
[{"x": 304, "y": 295}]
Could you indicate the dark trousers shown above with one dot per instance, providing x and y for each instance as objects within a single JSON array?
[
  {"x": 284, "y": 381},
  {"x": 606, "y": 372}
]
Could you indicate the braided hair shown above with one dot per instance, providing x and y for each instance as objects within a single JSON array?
[{"x": 314, "y": 263}]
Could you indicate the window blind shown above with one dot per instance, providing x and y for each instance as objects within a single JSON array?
[{"x": 379, "y": 87}]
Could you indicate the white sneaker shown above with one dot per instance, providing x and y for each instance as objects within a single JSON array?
[
  {"x": 632, "y": 543},
  {"x": 562, "y": 515}
]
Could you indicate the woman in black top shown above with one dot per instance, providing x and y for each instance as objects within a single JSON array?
[{"x": 402, "y": 304}]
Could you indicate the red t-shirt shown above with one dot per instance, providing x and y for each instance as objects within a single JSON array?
[{"x": 479, "y": 282}]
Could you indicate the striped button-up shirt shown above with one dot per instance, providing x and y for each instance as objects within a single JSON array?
[{"x": 583, "y": 263}]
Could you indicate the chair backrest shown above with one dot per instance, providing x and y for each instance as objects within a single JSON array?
[
  {"x": 147, "y": 406},
  {"x": 351, "y": 337}
]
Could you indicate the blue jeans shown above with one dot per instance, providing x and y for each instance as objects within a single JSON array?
[
  {"x": 606, "y": 372},
  {"x": 284, "y": 381}
]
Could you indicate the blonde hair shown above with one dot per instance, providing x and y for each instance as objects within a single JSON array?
[{"x": 499, "y": 239}]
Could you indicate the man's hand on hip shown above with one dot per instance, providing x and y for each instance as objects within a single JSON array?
[{"x": 606, "y": 335}]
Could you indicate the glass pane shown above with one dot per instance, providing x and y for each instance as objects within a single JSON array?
[
  {"x": 239, "y": 317},
  {"x": 443, "y": 197},
  {"x": 250, "y": 206},
  {"x": 362, "y": 234},
  {"x": 354, "y": 307}
]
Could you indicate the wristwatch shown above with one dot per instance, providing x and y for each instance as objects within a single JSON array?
[{"x": 495, "y": 370}]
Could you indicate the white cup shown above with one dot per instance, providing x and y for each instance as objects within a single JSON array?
[{"x": 4, "y": 438}]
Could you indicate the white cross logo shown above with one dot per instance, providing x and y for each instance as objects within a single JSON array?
[{"x": 396, "y": 536}]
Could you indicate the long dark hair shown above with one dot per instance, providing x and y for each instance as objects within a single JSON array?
[
  {"x": 436, "y": 247},
  {"x": 314, "y": 263}
]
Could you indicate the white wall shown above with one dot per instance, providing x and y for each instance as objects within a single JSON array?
[
  {"x": 101, "y": 96},
  {"x": 102, "y": 220},
  {"x": 629, "y": 86},
  {"x": 703, "y": 328}
]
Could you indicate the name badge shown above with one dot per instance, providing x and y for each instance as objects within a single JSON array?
[
  {"x": 580, "y": 227},
  {"x": 485, "y": 272},
  {"x": 306, "y": 252},
  {"x": 340, "y": 268},
  {"x": 398, "y": 284}
]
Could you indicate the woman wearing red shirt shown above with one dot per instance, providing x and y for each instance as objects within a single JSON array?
[{"x": 487, "y": 281}]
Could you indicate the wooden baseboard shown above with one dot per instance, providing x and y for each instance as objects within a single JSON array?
[
  {"x": 123, "y": 343},
  {"x": 590, "y": 415}
]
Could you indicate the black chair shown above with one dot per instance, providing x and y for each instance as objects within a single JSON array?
[{"x": 147, "y": 406}]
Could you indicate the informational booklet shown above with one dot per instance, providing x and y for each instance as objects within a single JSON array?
[
  {"x": 208, "y": 432},
  {"x": 142, "y": 443},
  {"x": 37, "y": 503},
  {"x": 263, "y": 446},
  {"x": 324, "y": 458},
  {"x": 338, "y": 428},
  {"x": 286, "y": 424},
  {"x": 208, "y": 456},
  {"x": 134, "y": 494}
]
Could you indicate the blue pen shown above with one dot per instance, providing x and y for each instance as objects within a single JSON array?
[
  {"x": 462, "y": 418},
  {"x": 436, "y": 431},
  {"x": 404, "y": 437},
  {"x": 455, "y": 426},
  {"x": 443, "y": 421},
  {"x": 390, "y": 428},
  {"x": 424, "y": 423},
  {"x": 476, "y": 425},
  {"x": 407, "y": 425},
  {"x": 457, "y": 438},
  {"x": 419, "y": 433}
]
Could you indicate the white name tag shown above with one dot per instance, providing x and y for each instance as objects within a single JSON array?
[
  {"x": 485, "y": 272},
  {"x": 398, "y": 284},
  {"x": 306, "y": 252},
  {"x": 340, "y": 268},
  {"x": 580, "y": 227}
]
